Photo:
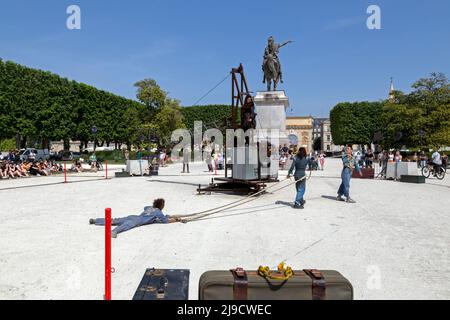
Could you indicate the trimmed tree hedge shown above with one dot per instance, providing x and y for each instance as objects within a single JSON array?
[
  {"x": 42, "y": 106},
  {"x": 355, "y": 123}
]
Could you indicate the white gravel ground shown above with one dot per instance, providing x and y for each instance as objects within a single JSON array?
[{"x": 392, "y": 244}]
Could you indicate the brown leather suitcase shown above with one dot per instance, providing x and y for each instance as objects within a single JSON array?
[{"x": 308, "y": 284}]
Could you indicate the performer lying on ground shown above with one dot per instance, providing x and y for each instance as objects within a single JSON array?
[{"x": 150, "y": 215}]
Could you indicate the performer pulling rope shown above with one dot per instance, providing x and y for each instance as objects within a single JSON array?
[
  {"x": 252, "y": 197},
  {"x": 299, "y": 166}
]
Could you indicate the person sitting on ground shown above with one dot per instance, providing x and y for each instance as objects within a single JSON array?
[
  {"x": 13, "y": 173},
  {"x": 150, "y": 215},
  {"x": 54, "y": 167},
  {"x": 26, "y": 166},
  {"x": 3, "y": 174},
  {"x": 45, "y": 170},
  {"x": 76, "y": 167},
  {"x": 21, "y": 170},
  {"x": 34, "y": 169}
]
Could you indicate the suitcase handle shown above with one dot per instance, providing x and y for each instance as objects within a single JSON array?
[{"x": 286, "y": 273}]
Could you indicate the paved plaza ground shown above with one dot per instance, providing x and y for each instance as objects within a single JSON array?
[{"x": 392, "y": 244}]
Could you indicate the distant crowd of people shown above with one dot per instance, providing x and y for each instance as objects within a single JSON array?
[
  {"x": 12, "y": 166},
  {"x": 421, "y": 158},
  {"x": 314, "y": 160},
  {"x": 11, "y": 169}
]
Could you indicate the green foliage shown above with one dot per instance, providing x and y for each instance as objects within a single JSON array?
[
  {"x": 212, "y": 116},
  {"x": 7, "y": 144},
  {"x": 39, "y": 105},
  {"x": 167, "y": 120},
  {"x": 355, "y": 123},
  {"x": 116, "y": 156},
  {"x": 418, "y": 120},
  {"x": 151, "y": 95}
]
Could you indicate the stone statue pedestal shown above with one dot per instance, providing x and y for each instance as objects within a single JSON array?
[{"x": 270, "y": 109}]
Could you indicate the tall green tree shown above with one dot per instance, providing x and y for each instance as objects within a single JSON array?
[
  {"x": 355, "y": 123},
  {"x": 151, "y": 95},
  {"x": 39, "y": 106},
  {"x": 420, "y": 119},
  {"x": 168, "y": 119}
]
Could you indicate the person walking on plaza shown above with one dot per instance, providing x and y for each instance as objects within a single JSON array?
[
  {"x": 151, "y": 214},
  {"x": 322, "y": 160},
  {"x": 299, "y": 165},
  {"x": 186, "y": 159},
  {"x": 162, "y": 158},
  {"x": 349, "y": 165}
]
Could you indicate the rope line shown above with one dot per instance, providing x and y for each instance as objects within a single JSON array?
[
  {"x": 206, "y": 213},
  {"x": 206, "y": 94}
]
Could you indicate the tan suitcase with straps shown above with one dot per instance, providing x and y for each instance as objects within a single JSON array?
[{"x": 284, "y": 284}]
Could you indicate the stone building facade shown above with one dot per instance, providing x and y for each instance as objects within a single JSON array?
[{"x": 300, "y": 131}]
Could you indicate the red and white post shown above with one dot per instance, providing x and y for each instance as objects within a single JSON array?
[{"x": 108, "y": 268}]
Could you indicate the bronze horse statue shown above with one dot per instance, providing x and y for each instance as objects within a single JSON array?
[
  {"x": 271, "y": 72},
  {"x": 271, "y": 64}
]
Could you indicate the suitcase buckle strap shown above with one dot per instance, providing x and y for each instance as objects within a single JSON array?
[
  {"x": 319, "y": 284},
  {"x": 240, "y": 284}
]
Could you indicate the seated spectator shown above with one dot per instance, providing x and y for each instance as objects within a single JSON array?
[
  {"x": 44, "y": 170},
  {"x": 34, "y": 169},
  {"x": 13, "y": 173},
  {"x": 21, "y": 170},
  {"x": 3, "y": 174},
  {"x": 55, "y": 167},
  {"x": 76, "y": 166}
]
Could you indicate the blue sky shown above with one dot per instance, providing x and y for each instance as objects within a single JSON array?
[{"x": 189, "y": 46}]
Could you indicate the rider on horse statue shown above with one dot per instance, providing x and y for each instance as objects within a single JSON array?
[{"x": 272, "y": 51}]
